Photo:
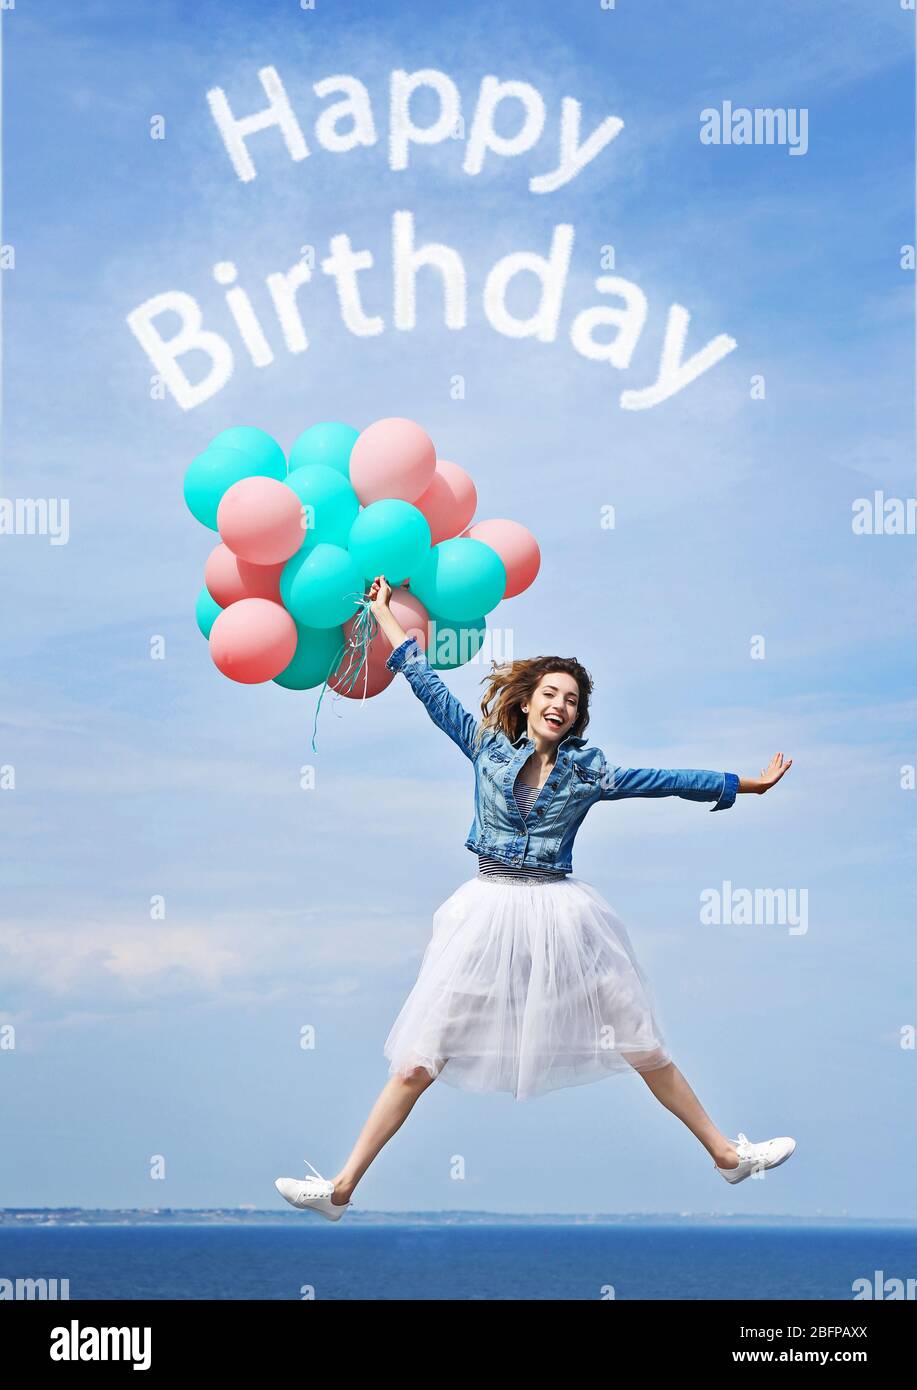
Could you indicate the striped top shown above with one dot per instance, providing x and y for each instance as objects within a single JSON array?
[{"x": 488, "y": 867}]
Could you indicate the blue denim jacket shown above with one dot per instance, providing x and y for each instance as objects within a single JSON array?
[{"x": 580, "y": 777}]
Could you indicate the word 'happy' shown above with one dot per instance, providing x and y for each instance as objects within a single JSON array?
[{"x": 343, "y": 126}]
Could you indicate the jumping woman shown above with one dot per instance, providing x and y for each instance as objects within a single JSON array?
[{"x": 529, "y": 981}]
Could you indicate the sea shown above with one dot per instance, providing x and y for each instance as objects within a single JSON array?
[{"x": 305, "y": 1257}]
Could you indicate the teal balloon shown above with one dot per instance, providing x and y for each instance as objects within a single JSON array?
[
  {"x": 389, "y": 537},
  {"x": 260, "y": 447},
  {"x": 206, "y": 610},
  {"x": 450, "y": 644},
  {"x": 316, "y": 648},
  {"x": 325, "y": 588},
  {"x": 329, "y": 444},
  {"x": 288, "y": 574},
  {"x": 460, "y": 579},
  {"x": 215, "y": 470},
  {"x": 331, "y": 503}
]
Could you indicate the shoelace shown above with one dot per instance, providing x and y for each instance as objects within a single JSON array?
[
  {"x": 742, "y": 1146},
  {"x": 745, "y": 1149},
  {"x": 321, "y": 1179}
]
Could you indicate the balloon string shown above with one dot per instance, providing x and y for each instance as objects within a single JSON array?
[{"x": 363, "y": 628}]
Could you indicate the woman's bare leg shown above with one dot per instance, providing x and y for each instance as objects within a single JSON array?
[
  {"x": 395, "y": 1102},
  {"x": 672, "y": 1090}
]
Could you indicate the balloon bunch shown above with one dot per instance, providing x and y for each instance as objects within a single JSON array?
[{"x": 302, "y": 540}]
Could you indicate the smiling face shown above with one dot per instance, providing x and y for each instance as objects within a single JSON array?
[{"x": 553, "y": 706}]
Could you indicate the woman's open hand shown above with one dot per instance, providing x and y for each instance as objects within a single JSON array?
[{"x": 775, "y": 769}]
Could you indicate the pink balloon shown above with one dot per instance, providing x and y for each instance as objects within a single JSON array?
[
  {"x": 228, "y": 578},
  {"x": 392, "y": 458},
  {"x": 253, "y": 640},
  {"x": 372, "y": 680},
  {"x": 449, "y": 501},
  {"x": 517, "y": 548},
  {"x": 261, "y": 520},
  {"x": 410, "y": 613}
]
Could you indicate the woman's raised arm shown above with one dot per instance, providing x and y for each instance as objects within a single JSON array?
[{"x": 408, "y": 656}]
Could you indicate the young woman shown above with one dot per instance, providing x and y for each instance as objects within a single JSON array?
[{"x": 529, "y": 981}]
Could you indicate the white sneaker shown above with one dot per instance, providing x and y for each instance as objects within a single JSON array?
[
  {"x": 754, "y": 1158},
  {"x": 312, "y": 1192}
]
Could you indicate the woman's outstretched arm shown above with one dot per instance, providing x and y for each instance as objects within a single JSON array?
[
  {"x": 693, "y": 784},
  {"x": 441, "y": 705}
]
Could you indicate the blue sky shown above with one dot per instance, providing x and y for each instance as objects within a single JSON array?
[{"x": 287, "y": 908}]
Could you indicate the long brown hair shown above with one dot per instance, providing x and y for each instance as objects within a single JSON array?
[{"x": 514, "y": 681}]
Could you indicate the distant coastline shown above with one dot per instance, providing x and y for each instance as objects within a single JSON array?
[{"x": 19, "y": 1217}]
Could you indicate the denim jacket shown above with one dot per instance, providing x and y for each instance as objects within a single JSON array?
[{"x": 580, "y": 777}]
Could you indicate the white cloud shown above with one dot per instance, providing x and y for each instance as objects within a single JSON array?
[{"x": 314, "y": 952}]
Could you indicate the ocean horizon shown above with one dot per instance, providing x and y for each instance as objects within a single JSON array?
[
  {"x": 251, "y": 1215},
  {"x": 451, "y": 1256}
]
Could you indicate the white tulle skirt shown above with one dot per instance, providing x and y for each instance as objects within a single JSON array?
[{"x": 526, "y": 987}]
